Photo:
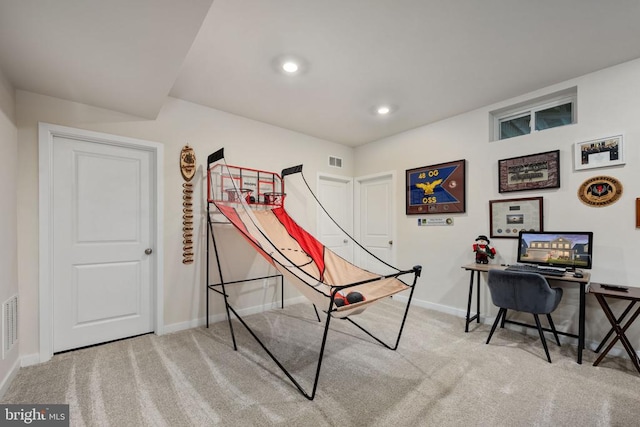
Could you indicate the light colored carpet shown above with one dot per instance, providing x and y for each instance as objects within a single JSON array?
[{"x": 439, "y": 376}]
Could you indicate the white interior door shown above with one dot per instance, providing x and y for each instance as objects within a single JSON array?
[
  {"x": 375, "y": 213},
  {"x": 336, "y": 195},
  {"x": 103, "y": 224}
]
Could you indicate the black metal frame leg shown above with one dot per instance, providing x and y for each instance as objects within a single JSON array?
[{"x": 475, "y": 317}]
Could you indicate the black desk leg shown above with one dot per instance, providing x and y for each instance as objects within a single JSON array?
[
  {"x": 470, "y": 318},
  {"x": 478, "y": 297},
  {"x": 583, "y": 289}
]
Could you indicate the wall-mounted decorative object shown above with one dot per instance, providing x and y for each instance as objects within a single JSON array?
[
  {"x": 187, "y": 163},
  {"x": 600, "y": 191},
  {"x": 434, "y": 221},
  {"x": 436, "y": 189},
  {"x": 507, "y": 217},
  {"x": 599, "y": 153},
  {"x": 188, "y": 170},
  {"x": 531, "y": 172}
]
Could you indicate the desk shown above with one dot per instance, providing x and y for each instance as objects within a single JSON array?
[
  {"x": 633, "y": 296},
  {"x": 476, "y": 269}
]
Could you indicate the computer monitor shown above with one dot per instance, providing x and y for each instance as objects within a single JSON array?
[{"x": 570, "y": 249}]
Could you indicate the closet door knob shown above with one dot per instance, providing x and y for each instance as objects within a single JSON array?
[{"x": 148, "y": 251}]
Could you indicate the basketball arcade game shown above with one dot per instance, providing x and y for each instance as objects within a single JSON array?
[
  {"x": 253, "y": 202},
  {"x": 233, "y": 185}
]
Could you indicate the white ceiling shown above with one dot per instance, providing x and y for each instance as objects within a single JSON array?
[{"x": 431, "y": 59}]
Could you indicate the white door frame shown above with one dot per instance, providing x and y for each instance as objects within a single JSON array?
[
  {"x": 349, "y": 181},
  {"x": 46, "y": 134},
  {"x": 358, "y": 212}
]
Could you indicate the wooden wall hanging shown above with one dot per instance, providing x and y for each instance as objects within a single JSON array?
[
  {"x": 188, "y": 170},
  {"x": 600, "y": 191}
]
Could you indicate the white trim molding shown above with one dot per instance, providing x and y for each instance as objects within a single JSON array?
[
  {"x": 358, "y": 210},
  {"x": 46, "y": 134}
]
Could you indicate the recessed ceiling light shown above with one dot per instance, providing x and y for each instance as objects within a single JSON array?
[
  {"x": 383, "y": 109},
  {"x": 290, "y": 67}
]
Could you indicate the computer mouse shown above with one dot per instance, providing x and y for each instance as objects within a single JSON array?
[{"x": 578, "y": 274}]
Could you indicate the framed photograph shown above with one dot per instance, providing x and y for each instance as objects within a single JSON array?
[
  {"x": 507, "y": 217},
  {"x": 599, "y": 153},
  {"x": 532, "y": 172},
  {"x": 436, "y": 189}
]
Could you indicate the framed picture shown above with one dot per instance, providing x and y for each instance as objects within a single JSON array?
[
  {"x": 599, "y": 153},
  {"x": 507, "y": 217},
  {"x": 531, "y": 172},
  {"x": 436, "y": 189}
]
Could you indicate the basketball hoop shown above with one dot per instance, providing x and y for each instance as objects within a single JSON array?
[
  {"x": 273, "y": 198},
  {"x": 237, "y": 195}
]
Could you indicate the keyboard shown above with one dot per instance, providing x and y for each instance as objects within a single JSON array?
[{"x": 526, "y": 268}]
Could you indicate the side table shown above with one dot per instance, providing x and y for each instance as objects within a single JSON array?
[{"x": 631, "y": 294}]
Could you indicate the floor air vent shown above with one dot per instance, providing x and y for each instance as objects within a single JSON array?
[{"x": 9, "y": 324}]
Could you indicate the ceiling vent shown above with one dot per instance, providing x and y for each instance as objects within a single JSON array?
[{"x": 335, "y": 162}]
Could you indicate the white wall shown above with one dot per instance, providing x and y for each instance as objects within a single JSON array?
[
  {"x": 246, "y": 142},
  {"x": 608, "y": 104},
  {"x": 8, "y": 217}
]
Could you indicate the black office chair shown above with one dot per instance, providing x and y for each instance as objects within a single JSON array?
[{"x": 524, "y": 292}]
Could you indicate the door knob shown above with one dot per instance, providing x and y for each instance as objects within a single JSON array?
[
  {"x": 391, "y": 242},
  {"x": 148, "y": 251}
]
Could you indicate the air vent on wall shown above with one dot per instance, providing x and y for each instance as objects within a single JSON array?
[
  {"x": 9, "y": 324},
  {"x": 336, "y": 162}
]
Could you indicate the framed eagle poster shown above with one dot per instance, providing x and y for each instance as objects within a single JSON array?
[{"x": 436, "y": 189}]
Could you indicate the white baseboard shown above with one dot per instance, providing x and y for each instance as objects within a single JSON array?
[
  {"x": 488, "y": 320},
  {"x": 33, "y": 359},
  {"x": 214, "y": 318},
  {"x": 431, "y": 306},
  {"x": 6, "y": 381},
  {"x": 30, "y": 359}
]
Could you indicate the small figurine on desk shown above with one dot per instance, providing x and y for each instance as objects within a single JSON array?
[{"x": 483, "y": 250}]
